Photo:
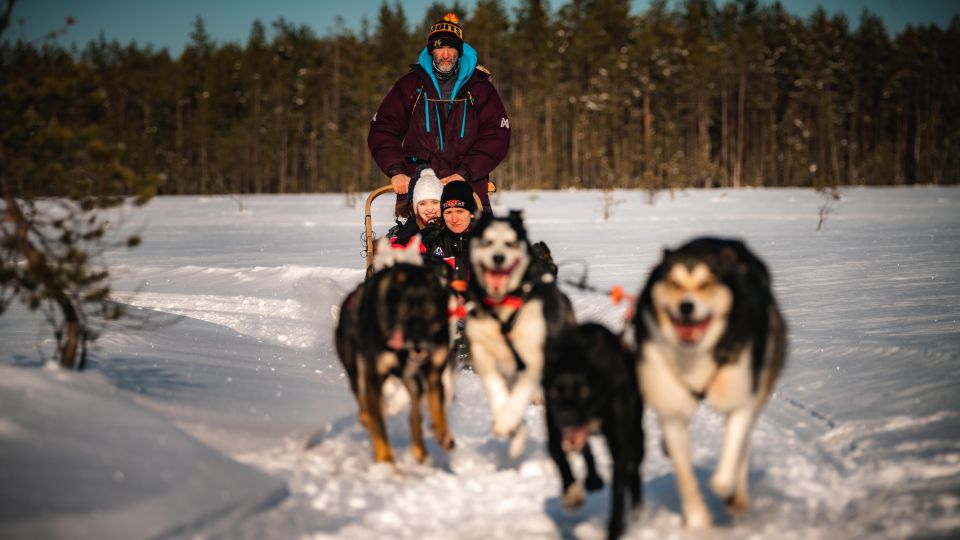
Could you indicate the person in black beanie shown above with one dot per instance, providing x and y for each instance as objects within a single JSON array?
[
  {"x": 458, "y": 206},
  {"x": 451, "y": 240},
  {"x": 445, "y": 114}
]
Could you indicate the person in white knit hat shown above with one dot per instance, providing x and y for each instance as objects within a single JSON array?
[{"x": 424, "y": 208}]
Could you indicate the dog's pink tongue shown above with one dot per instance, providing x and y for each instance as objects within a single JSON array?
[
  {"x": 396, "y": 340},
  {"x": 497, "y": 282},
  {"x": 574, "y": 438},
  {"x": 691, "y": 333}
]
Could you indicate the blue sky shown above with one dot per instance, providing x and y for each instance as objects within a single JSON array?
[{"x": 167, "y": 23}]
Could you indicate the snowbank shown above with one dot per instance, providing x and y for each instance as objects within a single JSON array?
[{"x": 80, "y": 459}]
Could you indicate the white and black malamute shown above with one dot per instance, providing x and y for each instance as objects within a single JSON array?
[
  {"x": 707, "y": 327},
  {"x": 514, "y": 307},
  {"x": 394, "y": 328}
]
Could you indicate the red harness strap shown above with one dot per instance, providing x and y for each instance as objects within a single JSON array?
[
  {"x": 515, "y": 302},
  {"x": 459, "y": 312},
  {"x": 510, "y": 301}
]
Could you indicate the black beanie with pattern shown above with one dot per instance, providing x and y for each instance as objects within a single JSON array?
[
  {"x": 446, "y": 32},
  {"x": 458, "y": 194}
]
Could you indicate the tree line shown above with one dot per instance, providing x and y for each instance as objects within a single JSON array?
[{"x": 685, "y": 94}]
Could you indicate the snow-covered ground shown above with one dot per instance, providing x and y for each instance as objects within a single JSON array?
[{"x": 234, "y": 420}]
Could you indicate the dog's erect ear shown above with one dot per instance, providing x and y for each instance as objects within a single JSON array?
[
  {"x": 382, "y": 257},
  {"x": 485, "y": 219},
  {"x": 516, "y": 218},
  {"x": 516, "y": 221},
  {"x": 388, "y": 255},
  {"x": 541, "y": 250},
  {"x": 415, "y": 245},
  {"x": 729, "y": 256},
  {"x": 543, "y": 262},
  {"x": 736, "y": 259},
  {"x": 411, "y": 254}
]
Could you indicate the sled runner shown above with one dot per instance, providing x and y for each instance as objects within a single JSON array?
[{"x": 369, "y": 237}]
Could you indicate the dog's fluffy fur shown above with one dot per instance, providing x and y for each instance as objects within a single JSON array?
[
  {"x": 512, "y": 312},
  {"x": 590, "y": 385},
  {"x": 395, "y": 325},
  {"x": 707, "y": 327}
]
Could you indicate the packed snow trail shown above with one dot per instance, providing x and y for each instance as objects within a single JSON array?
[{"x": 861, "y": 438}]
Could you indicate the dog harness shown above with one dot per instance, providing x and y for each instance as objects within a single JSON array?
[
  {"x": 701, "y": 394},
  {"x": 511, "y": 301}
]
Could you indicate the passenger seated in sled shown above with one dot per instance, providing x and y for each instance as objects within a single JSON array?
[
  {"x": 450, "y": 240},
  {"x": 423, "y": 207}
]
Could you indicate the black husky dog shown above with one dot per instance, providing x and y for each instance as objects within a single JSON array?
[
  {"x": 395, "y": 324},
  {"x": 590, "y": 385},
  {"x": 708, "y": 328}
]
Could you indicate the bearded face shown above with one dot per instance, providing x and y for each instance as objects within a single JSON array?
[{"x": 445, "y": 59}]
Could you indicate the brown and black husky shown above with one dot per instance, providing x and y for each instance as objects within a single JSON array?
[{"x": 395, "y": 326}]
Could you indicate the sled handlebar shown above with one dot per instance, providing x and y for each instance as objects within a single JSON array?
[{"x": 368, "y": 221}]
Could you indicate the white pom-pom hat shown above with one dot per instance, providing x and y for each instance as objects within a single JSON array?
[{"x": 428, "y": 187}]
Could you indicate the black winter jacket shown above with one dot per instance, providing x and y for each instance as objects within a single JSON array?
[{"x": 453, "y": 248}]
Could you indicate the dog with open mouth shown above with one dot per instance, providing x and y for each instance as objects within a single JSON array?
[
  {"x": 708, "y": 328},
  {"x": 394, "y": 328},
  {"x": 590, "y": 386},
  {"x": 514, "y": 307}
]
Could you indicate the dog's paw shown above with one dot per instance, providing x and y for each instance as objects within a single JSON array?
[
  {"x": 697, "y": 516},
  {"x": 446, "y": 442},
  {"x": 573, "y": 498},
  {"x": 419, "y": 453},
  {"x": 505, "y": 423},
  {"x": 737, "y": 504},
  {"x": 383, "y": 455},
  {"x": 518, "y": 441},
  {"x": 722, "y": 487}
]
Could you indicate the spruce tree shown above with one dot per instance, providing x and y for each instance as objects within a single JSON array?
[{"x": 62, "y": 183}]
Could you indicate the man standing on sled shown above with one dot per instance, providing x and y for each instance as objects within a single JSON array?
[{"x": 444, "y": 114}]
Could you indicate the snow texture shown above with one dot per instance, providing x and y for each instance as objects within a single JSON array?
[{"x": 229, "y": 415}]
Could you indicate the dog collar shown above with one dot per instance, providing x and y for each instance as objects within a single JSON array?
[{"x": 511, "y": 301}]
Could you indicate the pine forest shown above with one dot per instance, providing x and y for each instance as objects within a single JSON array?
[{"x": 683, "y": 94}]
